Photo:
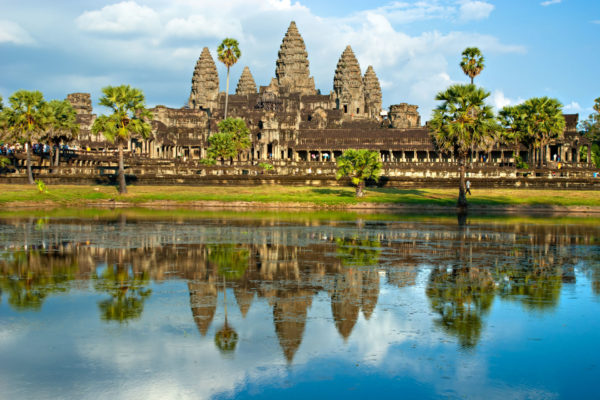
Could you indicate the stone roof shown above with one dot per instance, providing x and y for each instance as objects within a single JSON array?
[
  {"x": 246, "y": 84},
  {"x": 292, "y": 66}
]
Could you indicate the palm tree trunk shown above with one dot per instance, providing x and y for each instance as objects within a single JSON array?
[
  {"x": 227, "y": 92},
  {"x": 462, "y": 187},
  {"x": 360, "y": 189},
  {"x": 122, "y": 184},
  {"x": 472, "y": 79},
  {"x": 29, "y": 172},
  {"x": 57, "y": 155}
]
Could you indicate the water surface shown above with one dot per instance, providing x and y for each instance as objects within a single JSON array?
[{"x": 140, "y": 305}]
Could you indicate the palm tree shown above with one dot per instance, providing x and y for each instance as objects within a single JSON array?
[
  {"x": 462, "y": 123},
  {"x": 359, "y": 165},
  {"x": 129, "y": 118},
  {"x": 62, "y": 125},
  {"x": 228, "y": 53},
  {"x": 472, "y": 62},
  {"x": 544, "y": 121},
  {"x": 26, "y": 120},
  {"x": 515, "y": 133}
]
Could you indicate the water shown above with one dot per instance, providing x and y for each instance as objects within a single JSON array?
[{"x": 141, "y": 305}]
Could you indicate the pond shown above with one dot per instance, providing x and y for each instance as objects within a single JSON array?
[{"x": 138, "y": 304}]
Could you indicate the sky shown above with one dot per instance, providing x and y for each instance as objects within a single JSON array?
[{"x": 532, "y": 47}]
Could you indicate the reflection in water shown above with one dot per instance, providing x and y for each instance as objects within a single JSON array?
[{"x": 288, "y": 265}]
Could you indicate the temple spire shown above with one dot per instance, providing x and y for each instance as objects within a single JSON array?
[
  {"x": 246, "y": 84},
  {"x": 372, "y": 93},
  {"x": 205, "y": 83},
  {"x": 292, "y": 67},
  {"x": 348, "y": 87}
]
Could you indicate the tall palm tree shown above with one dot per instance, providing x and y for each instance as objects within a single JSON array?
[
  {"x": 359, "y": 165},
  {"x": 25, "y": 121},
  {"x": 462, "y": 123},
  {"x": 544, "y": 121},
  {"x": 62, "y": 125},
  {"x": 472, "y": 62},
  {"x": 515, "y": 133},
  {"x": 228, "y": 53},
  {"x": 129, "y": 118}
]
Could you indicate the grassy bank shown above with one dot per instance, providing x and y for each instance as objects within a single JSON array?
[{"x": 81, "y": 196}]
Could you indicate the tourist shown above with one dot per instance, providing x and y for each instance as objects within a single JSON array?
[{"x": 469, "y": 187}]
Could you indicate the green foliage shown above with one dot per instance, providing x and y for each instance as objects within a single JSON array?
[
  {"x": 62, "y": 122},
  {"x": 229, "y": 52},
  {"x": 230, "y": 260},
  {"x": 129, "y": 114},
  {"x": 358, "y": 251},
  {"x": 359, "y": 166},
  {"x": 226, "y": 339},
  {"x": 596, "y": 154},
  {"x": 25, "y": 119},
  {"x": 520, "y": 164},
  {"x": 463, "y": 121},
  {"x": 4, "y": 161},
  {"x": 514, "y": 132},
  {"x": 238, "y": 130},
  {"x": 221, "y": 146},
  {"x": 41, "y": 186},
  {"x": 472, "y": 62},
  {"x": 543, "y": 120},
  {"x": 591, "y": 126},
  {"x": 266, "y": 166},
  {"x": 208, "y": 161}
]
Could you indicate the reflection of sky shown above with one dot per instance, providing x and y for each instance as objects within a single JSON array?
[{"x": 65, "y": 351}]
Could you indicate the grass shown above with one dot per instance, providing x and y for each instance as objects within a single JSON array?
[{"x": 78, "y": 196}]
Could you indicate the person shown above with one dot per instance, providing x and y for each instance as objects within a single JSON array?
[{"x": 469, "y": 187}]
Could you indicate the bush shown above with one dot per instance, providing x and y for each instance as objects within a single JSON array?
[
  {"x": 266, "y": 166},
  {"x": 520, "y": 164}
]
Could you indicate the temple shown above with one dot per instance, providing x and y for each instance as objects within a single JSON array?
[{"x": 291, "y": 121}]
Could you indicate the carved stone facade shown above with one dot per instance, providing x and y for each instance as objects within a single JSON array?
[
  {"x": 292, "y": 74},
  {"x": 290, "y": 121},
  {"x": 348, "y": 87},
  {"x": 246, "y": 84},
  {"x": 205, "y": 83}
]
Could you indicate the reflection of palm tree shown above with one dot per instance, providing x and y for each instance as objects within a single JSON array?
[
  {"x": 357, "y": 251},
  {"x": 461, "y": 297},
  {"x": 127, "y": 293},
  {"x": 231, "y": 262}
]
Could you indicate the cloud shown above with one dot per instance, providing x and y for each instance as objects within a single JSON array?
[
  {"x": 499, "y": 100},
  {"x": 475, "y": 10},
  {"x": 11, "y": 32},
  {"x": 550, "y": 2},
  {"x": 573, "y": 107},
  {"x": 124, "y": 17}
]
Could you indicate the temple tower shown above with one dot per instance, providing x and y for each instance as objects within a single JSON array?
[
  {"x": 292, "y": 72},
  {"x": 246, "y": 84},
  {"x": 348, "y": 87},
  {"x": 205, "y": 83},
  {"x": 372, "y": 93}
]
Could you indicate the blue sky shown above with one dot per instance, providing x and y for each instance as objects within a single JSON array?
[{"x": 532, "y": 47}]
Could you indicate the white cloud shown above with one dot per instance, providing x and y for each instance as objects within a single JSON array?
[
  {"x": 475, "y": 10},
  {"x": 499, "y": 100},
  {"x": 573, "y": 107},
  {"x": 11, "y": 32},
  {"x": 124, "y": 17},
  {"x": 550, "y": 2}
]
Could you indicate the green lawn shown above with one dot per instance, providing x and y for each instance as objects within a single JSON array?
[{"x": 71, "y": 195}]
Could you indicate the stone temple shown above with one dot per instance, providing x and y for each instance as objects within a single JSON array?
[{"x": 290, "y": 120}]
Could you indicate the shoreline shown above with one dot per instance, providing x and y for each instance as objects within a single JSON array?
[{"x": 522, "y": 209}]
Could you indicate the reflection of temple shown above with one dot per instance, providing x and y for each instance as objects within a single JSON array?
[{"x": 286, "y": 266}]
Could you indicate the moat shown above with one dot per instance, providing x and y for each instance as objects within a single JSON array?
[{"x": 130, "y": 305}]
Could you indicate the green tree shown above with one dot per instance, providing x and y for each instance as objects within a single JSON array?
[
  {"x": 233, "y": 137},
  {"x": 463, "y": 123},
  {"x": 25, "y": 121},
  {"x": 472, "y": 62},
  {"x": 359, "y": 165},
  {"x": 591, "y": 129},
  {"x": 129, "y": 118},
  {"x": 62, "y": 125},
  {"x": 514, "y": 132},
  {"x": 544, "y": 122},
  {"x": 228, "y": 53}
]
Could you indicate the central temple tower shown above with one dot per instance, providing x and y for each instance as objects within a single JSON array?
[{"x": 292, "y": 72}]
